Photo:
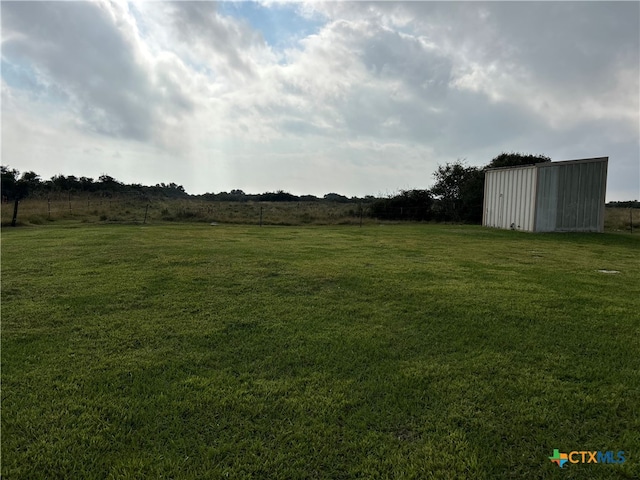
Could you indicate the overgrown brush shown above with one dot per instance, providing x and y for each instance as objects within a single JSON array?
[{"x": 86, "y": 209}]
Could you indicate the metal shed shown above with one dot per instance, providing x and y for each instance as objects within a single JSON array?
[{"x": 566, "y": 196}]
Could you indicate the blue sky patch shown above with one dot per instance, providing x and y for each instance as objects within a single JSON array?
[
  {"x": 22, "y": 77},
  {"x": 281, "y": 25}
]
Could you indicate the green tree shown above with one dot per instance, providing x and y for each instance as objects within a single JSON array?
[
  {"x": 456, "y": 191},
  {"x": 336, "y": 197},
  {"x": 514, "y": 159},
  {"x": 15, "y": 188},
  {"x": 413, "y": 205},
  {"x": 9, "y": 178},
  {"x": 87, "y": 184},
  {"x": 32, "y": 179},
  {"x": 472, "y": 195}
]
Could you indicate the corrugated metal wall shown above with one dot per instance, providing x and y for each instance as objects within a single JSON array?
[
  {"x": 546, "y": 200},
  {"x": 571, "y": 196},
  {"x": 509, "y": 198}
]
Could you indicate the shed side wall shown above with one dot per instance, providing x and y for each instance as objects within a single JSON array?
[
  {"x": 570, "y": 197},
  {"x": 546, "y": 200}
]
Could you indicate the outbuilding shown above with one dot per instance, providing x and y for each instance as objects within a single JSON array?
[{"x": 567, "y": 196}]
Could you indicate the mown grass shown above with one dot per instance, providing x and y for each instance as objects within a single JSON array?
[{"x": 187, "y": 351}]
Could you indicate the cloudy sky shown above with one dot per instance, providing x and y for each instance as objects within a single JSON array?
[{"x": 356, "y": 98}]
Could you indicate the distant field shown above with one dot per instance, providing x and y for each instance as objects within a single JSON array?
[
  {"x": 397, "y": 351},
  {"x": 88, "y": 209},
  {"x": 119, "y": 210},
  {"x": 621, "y": 219}
]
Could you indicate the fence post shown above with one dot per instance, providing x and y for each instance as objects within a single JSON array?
[
  {"x": 69, "y": 202},
  {"x": 631, "y": 219},
  {"x": 260, "y": 215},
  {"x": 49, "y": 207},
  {"x": 15, "y": 212},
  {"x": 145, "y": 214}
]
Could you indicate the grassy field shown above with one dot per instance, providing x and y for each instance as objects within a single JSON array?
[
  {"x": 397, "y": 351},
  {"x": 118, "y": 210},
  {"x": 622, "y": 220},
  {"x": 122, "y": 210}
]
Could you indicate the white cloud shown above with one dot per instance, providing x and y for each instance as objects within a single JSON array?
[{"x": 372, "y": 100}]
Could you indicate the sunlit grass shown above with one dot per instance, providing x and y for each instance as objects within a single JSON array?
[{"x": 191, "y": 351}]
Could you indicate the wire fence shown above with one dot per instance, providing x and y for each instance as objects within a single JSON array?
[
  {"x": 89, "y": 208},
  {"x": 92, "y": 208}
]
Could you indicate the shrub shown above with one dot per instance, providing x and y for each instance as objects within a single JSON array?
[{"x": 415, "y": 205}]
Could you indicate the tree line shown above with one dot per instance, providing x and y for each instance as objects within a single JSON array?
[
  {"x": 18, "y": 186},
  {"x": 29, "y": 183},
  {"x": 456, "y": 195},
  {"x": 278, "y": 196}
]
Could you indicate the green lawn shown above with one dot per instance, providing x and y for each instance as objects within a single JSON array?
[{"x": 397, "y": 351}]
